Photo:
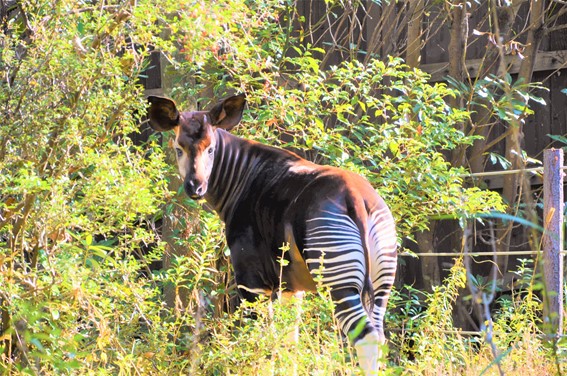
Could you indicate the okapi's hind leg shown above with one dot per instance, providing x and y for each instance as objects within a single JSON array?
[
  {"x": 382, "y": 244},
  {"x": 358, "y": 327},
  {"x": 335, "y": 255}
]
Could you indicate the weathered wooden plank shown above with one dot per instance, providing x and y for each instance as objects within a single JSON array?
[
  {"x": 545, "y": 60},
  {"x": 558, "y": 37},
  {"x": 496, "y": 182},
  {"x": 158, "y": 92},
  {"x": 538, "y": 125},
  {"x": 553, "y": 240},
  {"x": 151, "y": 77},
  {"x": 435, "y": 50},
  {"x": 558, "y": 106}
]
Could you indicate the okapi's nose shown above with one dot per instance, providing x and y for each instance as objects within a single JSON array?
[{"x": 193, "y": 191}]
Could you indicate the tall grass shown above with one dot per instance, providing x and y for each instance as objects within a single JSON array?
[{"x": 257, "y": 338}]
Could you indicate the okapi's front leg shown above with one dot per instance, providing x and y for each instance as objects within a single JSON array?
[
  {"x": 249, "y": 270},
  {"x": 248, "y": 279}
]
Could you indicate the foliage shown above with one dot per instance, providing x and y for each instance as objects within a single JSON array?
[
  {"x": 267, "y": 344},
  {"x": 380, "y": 119},
  {"x": 80, "y": 200},
  {"x": 433, "y": 341},
  {"x": 77, "y": 197},
  {"x": 428, "y": 344}
]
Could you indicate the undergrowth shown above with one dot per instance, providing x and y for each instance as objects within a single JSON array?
[
  {"x": 258, "y": 338},
  {"x": 81, "y": 202},
  {"x": 424, "y": 341}
]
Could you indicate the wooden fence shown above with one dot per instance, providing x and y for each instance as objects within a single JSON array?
[{"x": 552, "y": 252}]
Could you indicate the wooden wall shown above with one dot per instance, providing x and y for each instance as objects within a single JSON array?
[{"x": 550, "y": 70}]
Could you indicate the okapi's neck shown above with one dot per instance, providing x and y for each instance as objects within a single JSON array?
[{"x": 233, "y": 167}]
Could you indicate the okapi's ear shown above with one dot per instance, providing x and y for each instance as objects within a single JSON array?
[
  {"x": 163, "y": 114},
  {"x": 227, "y": 113}
]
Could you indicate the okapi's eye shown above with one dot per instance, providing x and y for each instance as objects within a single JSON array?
[
  {"x": 179, "y": 152},
  {"x": 211, "y": 151}
]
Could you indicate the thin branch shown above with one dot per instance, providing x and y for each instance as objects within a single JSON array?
[
  {"x": 550, "y": 30},
  {"x": 90, "y": 9},
  {"x": 555, "y": 17}
]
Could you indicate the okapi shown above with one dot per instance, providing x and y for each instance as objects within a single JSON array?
[{"x": 338, "y": 228}]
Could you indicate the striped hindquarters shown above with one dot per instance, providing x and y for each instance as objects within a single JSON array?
[{"x": 335, "y": 256}]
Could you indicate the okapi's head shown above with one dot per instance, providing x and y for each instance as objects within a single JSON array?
[{"x": 195, "y": 140}]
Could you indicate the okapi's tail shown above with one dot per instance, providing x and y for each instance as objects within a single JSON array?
[{"x": 367, "y": 295}]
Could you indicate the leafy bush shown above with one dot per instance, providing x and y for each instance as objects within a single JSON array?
[
  {"x": 80, "y": 201},
  {"x": 77, "y": 197},
  {"x": 426, "y": 342},
  {"x": 382, "y": 120}
]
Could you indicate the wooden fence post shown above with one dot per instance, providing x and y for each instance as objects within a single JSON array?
[{"x": 553, "y": 239}]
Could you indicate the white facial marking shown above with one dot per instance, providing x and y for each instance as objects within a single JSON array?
[
  {"x": 199, "y": 165},
  {"x": 182, "y": 159},
  {"x": 204, "y": 161}
]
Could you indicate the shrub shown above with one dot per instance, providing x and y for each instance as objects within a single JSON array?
[{"x": 80, "y": 201}]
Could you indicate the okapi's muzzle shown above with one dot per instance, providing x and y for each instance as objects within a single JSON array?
[{"x": 194, "y": 189}]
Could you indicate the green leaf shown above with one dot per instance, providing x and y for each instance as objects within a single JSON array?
[
  {"x": 559, "y": 138},
  {"x": 394, "y": 147},
  {"x": 539, "y": 100},
  {"x": 81, "y": 28}
]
